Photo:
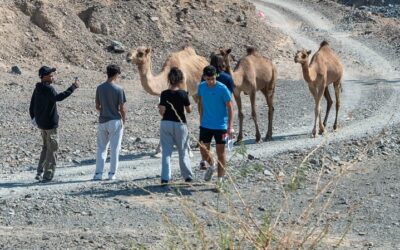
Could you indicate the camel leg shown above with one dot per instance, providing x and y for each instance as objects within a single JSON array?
[
  {"x": 328, "y": 104},
  {"x": 254, "y": 114},
  {"x": 269, "y": 96},
  {"x": 240, "y": 115},
  {"x": 317, "y": 110},
  {"x": 321, "y": 91},
  {"x": 338, "y": 87}
]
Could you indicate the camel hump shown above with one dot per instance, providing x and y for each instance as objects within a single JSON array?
[
  {"x": 189, "y": 49},
  {"x": 251, "y": 50},
  {"x": 324, "y": 43}
]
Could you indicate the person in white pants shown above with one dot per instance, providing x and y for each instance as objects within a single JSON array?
[{"x": 110, "y": 100}]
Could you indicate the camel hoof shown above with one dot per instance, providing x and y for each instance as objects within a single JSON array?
[
  {"x": 157, "y": 155},
  {"x": 335, "y": 127},
  {"x": 268, "y": 138},
  {"x": 321, "y": 132},
  {"x": 238, "y": 141}
]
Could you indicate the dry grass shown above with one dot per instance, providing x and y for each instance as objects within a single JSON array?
[{"x": 239, "y": 228}]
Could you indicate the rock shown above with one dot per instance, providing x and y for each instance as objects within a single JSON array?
[
  {"x": 16, "y": 70},
  {"x": 154, "y": 18},
  {"x": 268, "y": 173},
  {"x": 117, "y": 47},
  {"x": 250, "y": 157},
  {"x": 336, "y": 159},
  {"x": 369, "y": 244},
  {"x": 314, "y": 161}
]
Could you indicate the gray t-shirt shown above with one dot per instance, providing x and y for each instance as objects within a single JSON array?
[{"x": 110, "y": 96}]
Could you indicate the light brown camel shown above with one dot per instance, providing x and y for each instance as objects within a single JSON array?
[
  {"x": 325, "y": 68},
  {"x": 253, "y": 73},
  {"x": 187, "y": 60}
]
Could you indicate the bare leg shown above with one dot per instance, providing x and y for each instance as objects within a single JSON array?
[
  {"x": 206, "y": 152},
  {"x": 221, "y": 159}
]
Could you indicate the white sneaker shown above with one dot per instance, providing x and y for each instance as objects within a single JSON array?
[
  {"x": 209, "y": 173},
  {"x": 111, "y": 177},
  {"x": 98, "y": 177}
]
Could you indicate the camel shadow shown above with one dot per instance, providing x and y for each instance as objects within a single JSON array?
[{"x": 276, "y": 138}]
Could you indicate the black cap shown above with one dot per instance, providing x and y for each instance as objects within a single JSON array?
[
  {"x": 45, "y": 70},
  {"x": 209, "y": 71}
]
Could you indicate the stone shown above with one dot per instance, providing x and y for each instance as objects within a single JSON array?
[
  {"x": 117, "y": 47},
  {"x": 16, "y": 70},
  {"x": 267, "y": 172},
  {"x": 154, "y": 18}
]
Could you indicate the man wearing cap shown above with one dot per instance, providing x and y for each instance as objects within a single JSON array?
[
  {"x": 43, "y": 112},
  {"x": 216, "y": 120}
]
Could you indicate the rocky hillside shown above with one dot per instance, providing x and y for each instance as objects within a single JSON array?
[{"x": 80, "y": 32}]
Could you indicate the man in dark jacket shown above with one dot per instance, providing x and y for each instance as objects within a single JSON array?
[{"x": 43, "y": 112}]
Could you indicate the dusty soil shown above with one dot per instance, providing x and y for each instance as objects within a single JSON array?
[{"x": 361, "y": 159}]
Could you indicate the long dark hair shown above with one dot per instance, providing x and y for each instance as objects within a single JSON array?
[
  {"x": 218, "y": 62},
  {"x": 175, "y": 76}
]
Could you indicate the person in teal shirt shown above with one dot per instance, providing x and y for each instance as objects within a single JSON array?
[{"x": 216, "y": 120}]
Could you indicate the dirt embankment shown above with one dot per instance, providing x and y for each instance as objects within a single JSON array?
[{"x": 80, "y": 32}]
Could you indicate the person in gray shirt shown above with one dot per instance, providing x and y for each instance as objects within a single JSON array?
[{"x": 110, "y": 102}]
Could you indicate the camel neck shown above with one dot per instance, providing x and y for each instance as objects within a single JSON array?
[
  {"x": 152, "y": 84},
  {"x": 306, "y": 72}
]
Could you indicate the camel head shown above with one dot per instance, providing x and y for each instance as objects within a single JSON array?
[
  {"x": 139, "y": 56},
  {"x": 301, "y": 56},
  {"x": 225, "y": 54}
]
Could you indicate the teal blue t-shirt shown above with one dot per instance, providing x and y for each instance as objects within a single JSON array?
[{"x": 214, "y": 99}]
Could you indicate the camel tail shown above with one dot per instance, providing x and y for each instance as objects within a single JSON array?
[
  {"x": 274, "y": 74},
  {"x": 324, "y": 43}
]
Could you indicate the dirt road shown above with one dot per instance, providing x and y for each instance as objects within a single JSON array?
[{"x": 74, "y": 208}]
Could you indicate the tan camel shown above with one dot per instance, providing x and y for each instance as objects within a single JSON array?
[
  {"x": 325, "y": 68},
  {"x": 186, "y": 60},
  {"x": 253, "y": 73}
]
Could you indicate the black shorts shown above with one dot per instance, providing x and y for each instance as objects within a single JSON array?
[{"x": 206, "y": 135}]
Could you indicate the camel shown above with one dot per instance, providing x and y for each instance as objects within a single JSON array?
[
  {"x": 325, "y": 68},
  {"x": 253, "y": 73},
  {"x": 187, "y": 60}
]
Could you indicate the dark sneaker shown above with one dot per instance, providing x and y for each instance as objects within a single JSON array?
[
  {"x": 189, "y": 180},
  {"x": 97, "y": 177},
  {"x": 38, "y": 177},
  {"x": 45, "y": 180},
  {"x": 164, "y": 182},
  {"x": 203, "y": 165},
  {"x": 209, "y": 173}
]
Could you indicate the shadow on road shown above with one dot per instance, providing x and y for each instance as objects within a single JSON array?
[
  {"x": 36, "y": 183},
  {"x": 179, "y": 189},
  {"x": 370, "y": 82},
  {"x": 122, "y": 158},
  {"x": 276, "y": 138}
]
